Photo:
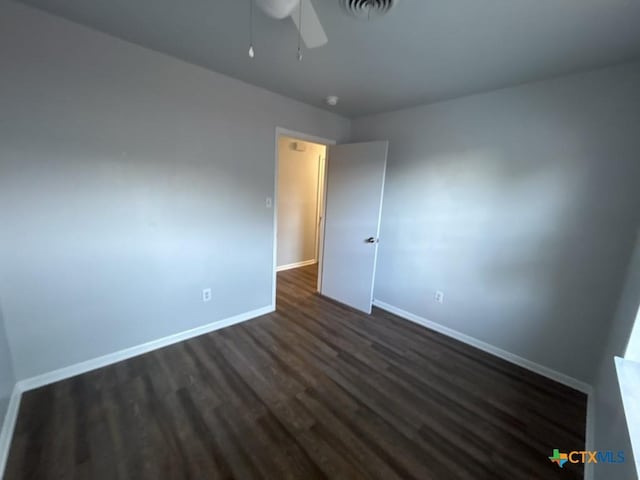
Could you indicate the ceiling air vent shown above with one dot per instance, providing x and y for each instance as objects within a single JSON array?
[{"x": 368, "y": 9}]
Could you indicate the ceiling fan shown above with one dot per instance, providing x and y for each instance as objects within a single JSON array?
[{"x": 303, "y": 15}]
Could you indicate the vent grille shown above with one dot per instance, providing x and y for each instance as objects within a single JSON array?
[{"x": 368, "y": 8}]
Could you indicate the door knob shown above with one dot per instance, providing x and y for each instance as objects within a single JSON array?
[{"x": 371, "y": 240}]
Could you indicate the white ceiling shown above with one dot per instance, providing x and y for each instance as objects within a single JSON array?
[{"x": 423, "y": 51}]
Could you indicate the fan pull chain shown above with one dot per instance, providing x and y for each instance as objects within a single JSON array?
[
  {"x": 251, "y": 51},
  {"x": 300, "y": 33}
]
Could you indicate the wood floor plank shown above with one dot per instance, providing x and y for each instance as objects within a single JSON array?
[{"x": 314, "y": 390}]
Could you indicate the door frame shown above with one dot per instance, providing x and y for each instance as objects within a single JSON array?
[{"x": 280, "y": 131}]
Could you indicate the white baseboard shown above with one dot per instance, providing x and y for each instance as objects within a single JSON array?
[
  {"x": 296, "y": 265},
  {"x": 7, "y": 427},
  {"x": 103, "y": 361},
  {"x": 6, "y": 431},
  {"x": 498, "y": 352}
]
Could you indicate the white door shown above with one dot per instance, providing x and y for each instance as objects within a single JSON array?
[{"x": 355, "y": 181}]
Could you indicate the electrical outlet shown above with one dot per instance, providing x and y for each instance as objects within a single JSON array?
[
  {"x": 206, "y": 295},
  {"x": 439, "y": 296}
]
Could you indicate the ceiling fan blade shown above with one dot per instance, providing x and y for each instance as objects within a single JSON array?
[{"x": 311, "y": 29}]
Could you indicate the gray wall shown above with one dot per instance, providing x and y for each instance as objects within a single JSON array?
[
  {"x": 522, "y": 206},
  {"x": 608, "y": 425},
  {"x": 130, "y": 181},
  {"x": 7, "y": 376}
]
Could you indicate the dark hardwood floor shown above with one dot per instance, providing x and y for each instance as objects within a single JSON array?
[{"x": 315, "y": 390}]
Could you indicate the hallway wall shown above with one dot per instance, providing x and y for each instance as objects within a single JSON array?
[{"x": 298, "y": 177}]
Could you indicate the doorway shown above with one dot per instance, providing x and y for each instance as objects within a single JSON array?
[
  {"x": 299, "y": 202},
  {"x": 332, "y": 219}
]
